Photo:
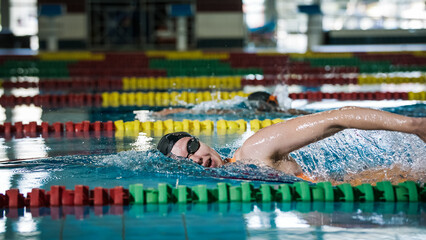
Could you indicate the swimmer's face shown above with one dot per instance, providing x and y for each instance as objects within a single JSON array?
[
  {"x": 263, "y": 106},
  {"x": 204, "y": 155}
]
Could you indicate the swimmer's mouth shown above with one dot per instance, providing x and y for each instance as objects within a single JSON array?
[{"x": 208, "y": 163}]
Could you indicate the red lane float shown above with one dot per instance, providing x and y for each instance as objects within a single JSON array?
[
  {"x": 344, "y": 96},
  {"x": 60, "y": 196},
  {"x": 18, "y": 129},
  {"x": 38, "y": 198},
  {"x": 54, "y": 101},
  {"x": 15, "y": 199},
  {"x": 81, "y": 195},
  {"x": 309, "y": 80},
  {"x": 76, "y": 84}
]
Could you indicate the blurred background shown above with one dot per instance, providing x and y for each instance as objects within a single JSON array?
[{"x": 283, "y": 25}]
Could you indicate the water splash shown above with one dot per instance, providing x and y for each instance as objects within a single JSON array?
[
  {"x": 284, "y": 101},
  {"x": 237, "y": 102},
  {"x": 93, "y": 169},
  {"x": 154, "y": 162},
  {"x": 353, "y": 151},
  {"x": 348, "y": 152}
]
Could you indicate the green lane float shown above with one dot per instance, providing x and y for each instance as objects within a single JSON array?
[{"x": 246, "y": 192}]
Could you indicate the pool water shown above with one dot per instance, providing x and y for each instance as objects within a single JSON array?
[
  {"x": 236, "y": 221},
  {"x": 108, "y": 160}
]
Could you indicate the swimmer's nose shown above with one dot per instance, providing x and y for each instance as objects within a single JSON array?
[{"x": 197, "y": 160}]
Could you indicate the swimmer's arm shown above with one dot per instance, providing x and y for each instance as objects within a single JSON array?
[
  {"x": 221, "y": 111},
  {"x": 169, "y": 111},
  {"x": 282, "y": 138},
  {"x": 293, "y": 111}
]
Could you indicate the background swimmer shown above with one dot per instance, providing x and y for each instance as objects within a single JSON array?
[
  {"x": 258, "y": 101},
  {"x": 272, "y": 145}
]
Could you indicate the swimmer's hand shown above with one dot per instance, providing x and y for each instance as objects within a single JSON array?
[{"x": 169, "y": 111}]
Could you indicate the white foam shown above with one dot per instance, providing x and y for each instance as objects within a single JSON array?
[
  {"x": 225, "y": 104},
  {"x": 284, "y": 101}
]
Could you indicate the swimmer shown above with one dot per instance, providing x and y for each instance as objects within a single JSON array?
[
  {"x": 272, "y": 145},
  {"x": 259, "y": 101}
]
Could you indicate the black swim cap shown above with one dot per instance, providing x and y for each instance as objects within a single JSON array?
[
  {"x": 263, "y": 101},
  {"x": 167, "y": 142},
  {"x": 263, "y": 97}
]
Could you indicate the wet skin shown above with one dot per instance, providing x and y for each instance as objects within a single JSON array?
[{"x": 204, "y": 156}]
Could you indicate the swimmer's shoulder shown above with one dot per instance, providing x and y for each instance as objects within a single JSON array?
[
  {"x": 234, "y": 158},
  {"x": 241, "y": 155},
  {"x": 237, "y": 154}
]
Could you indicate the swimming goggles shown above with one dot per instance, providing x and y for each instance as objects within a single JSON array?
[{"x": 192, "y": 147}]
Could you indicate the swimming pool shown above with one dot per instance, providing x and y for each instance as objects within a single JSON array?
[{"x": 108, "y": 159}]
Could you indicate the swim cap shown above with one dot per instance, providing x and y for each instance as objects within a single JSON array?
[
  {"x": 167, "y": 142},
  {"x": 263, "y": 101},
  {"x": 264, "y": 97}
]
